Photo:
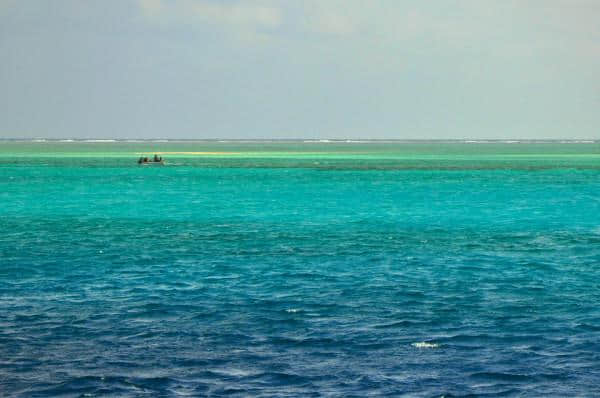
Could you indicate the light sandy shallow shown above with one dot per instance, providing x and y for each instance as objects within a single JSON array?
[{"x": 199, "y": 153}]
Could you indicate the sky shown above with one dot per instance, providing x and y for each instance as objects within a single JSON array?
[{"x": 390, "y": 69}]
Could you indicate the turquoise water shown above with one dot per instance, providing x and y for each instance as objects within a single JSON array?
[{"x": 300, "y": 269}]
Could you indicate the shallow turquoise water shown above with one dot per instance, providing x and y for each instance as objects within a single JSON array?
[{"x": 427, "y": 271}]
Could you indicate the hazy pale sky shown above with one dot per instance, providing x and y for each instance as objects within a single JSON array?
[{"x": 294, "y": 69}]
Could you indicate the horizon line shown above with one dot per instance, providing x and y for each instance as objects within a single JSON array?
[{"x": 301, "y": 139}]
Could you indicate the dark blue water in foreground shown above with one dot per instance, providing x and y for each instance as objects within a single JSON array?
[{"x": 195, "y": 281}]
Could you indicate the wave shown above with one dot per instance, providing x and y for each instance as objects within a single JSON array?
[
  {"x": 577, "y": 142},
  {"x": 526, "y": 141},
  {"x": 425, "y": 344},
  {"x": 495, "y": 141},
  {"x": 504, "y": 377}
]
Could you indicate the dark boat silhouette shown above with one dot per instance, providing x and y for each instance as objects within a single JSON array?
[{"x": 156, "y": 161}]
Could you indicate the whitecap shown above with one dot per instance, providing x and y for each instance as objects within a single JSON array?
[
  {"x": 577, "y": 142},
  {"x": 292, "y": 310},
  {"x": 234, "y": 372},
  {"x": 476, "y": 142},
  {"x": 425, "y": 344}
]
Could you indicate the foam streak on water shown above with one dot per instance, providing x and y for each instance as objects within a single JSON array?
[{"x": 383, "y": 273}]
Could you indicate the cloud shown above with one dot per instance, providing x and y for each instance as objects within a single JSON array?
[
  {"x": 247, "y": 15},
  {"x": 307, "y": 17},
  {"x": 5, "y": 5},
  {"x": 468, "y": 27},
  {"x": 151, "y": 7},
  {"x": 333, "y": 24},
  {"x": 333, "y": 17}
]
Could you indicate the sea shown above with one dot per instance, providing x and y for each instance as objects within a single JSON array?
[{"x": 300, "y": 268}]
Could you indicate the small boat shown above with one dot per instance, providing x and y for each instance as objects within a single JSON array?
[
  {"x": 156, "y": 161},
  {"x": 152, "y": 163}
]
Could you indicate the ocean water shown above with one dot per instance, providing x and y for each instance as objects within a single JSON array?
[{"x": 300, "y": 269}]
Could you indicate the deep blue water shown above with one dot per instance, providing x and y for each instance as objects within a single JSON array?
[{"x": 204, "y": 281}]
